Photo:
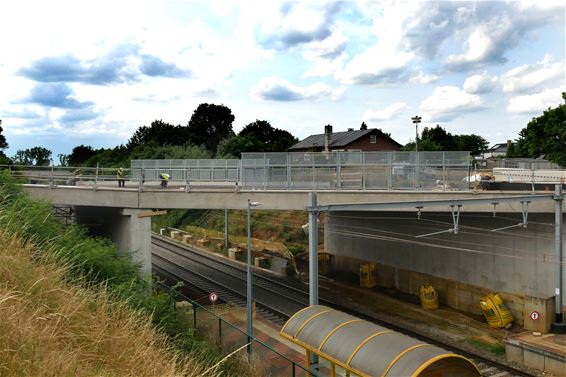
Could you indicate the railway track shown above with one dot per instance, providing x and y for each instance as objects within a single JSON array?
[{"x": 276, "y": 299}]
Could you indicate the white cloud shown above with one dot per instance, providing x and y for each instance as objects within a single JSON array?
[
  {"x": 536, "y": 103},
  {"x": 447, "y": 102},
  {"x": 480, "y": 83},
  {"x": 479, "y": 48},
  {"x": 529, "y": 78},
  {"x": 276, "y": 89},
  {"x": 423, "y": 78},
  {"x": 387, "y": 113}
]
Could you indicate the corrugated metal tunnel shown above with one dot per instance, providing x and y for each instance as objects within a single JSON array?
[{"x": 362, "y": 348}]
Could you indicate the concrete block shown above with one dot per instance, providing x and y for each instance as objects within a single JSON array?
[
  {"x": 514, "y": 354},
  {"x": 555, "y": 366},
  {"x": 233, "y": 253},
  {"x": 176, "y": 235},
  {"x": 203, "y": 242},
  {"x": 187, "y": 238},
  {"x": 533, "y": 360},
  {"x": 184, "y": 306},
  {"x": 531, "y": 304}
]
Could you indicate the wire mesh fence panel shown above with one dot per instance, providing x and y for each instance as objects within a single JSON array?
[
  {"x": 352, "y": 177},
  {"x": 302, "y": 178},
  {"x": 321, "y": 170},
  {"x": 277, "y": 178},
  {"x": 325, "y": 178},
  {"x": 403, "y": 177},
  {"x": 377, "y": 177}
]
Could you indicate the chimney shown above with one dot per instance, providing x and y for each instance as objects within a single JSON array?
[
  {"x": 327, "y": 137},
  {"x": 509, "y": 144},
  {"x": 350, "y": 129}
]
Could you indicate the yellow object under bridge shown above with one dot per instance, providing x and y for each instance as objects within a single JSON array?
[{"x": 360, "y": 348}]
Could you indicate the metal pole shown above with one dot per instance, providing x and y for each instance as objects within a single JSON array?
[
  {"x": 558, "y": 326},
  {"x": 225, "y": 228},
  {"x": 249, "y": 285},
  {"x": 313, "y": 251}
]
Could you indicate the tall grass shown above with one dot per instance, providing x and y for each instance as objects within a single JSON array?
[
  {"x": 50, "y": 327},
  {"x": 94, "y": 264}
]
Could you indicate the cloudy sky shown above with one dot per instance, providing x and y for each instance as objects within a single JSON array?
[{"x": 91, "y": 72}]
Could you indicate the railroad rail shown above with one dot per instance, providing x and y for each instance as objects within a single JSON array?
[{"x": 276, "y": 299}]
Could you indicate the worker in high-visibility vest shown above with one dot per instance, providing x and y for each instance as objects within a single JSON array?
[
  {"x": 164, "y": 179},
  {"x": 120, "y": 177}
]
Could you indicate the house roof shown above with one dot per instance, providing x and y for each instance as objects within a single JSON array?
[
  {"x": 338, "y": 139},
  {"x": 501, "y": 147}
]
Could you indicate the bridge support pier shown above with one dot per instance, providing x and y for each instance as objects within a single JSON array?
[{"x": 130, "y": 232}]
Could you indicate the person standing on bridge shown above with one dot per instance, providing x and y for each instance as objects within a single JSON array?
[
  {"x": 120, "y": 176},
  {"x": 164, "y": 179}
]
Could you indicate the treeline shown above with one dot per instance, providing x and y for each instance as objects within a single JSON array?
[
  {"x": 438, "y": 139},
  {"x": 208, "y": 134},
  {"x": 544, "y": 136}
]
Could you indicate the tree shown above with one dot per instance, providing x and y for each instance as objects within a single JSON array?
[
  {"x": 473, "y": 143},
  {"x": 37, "y": 156},
  {"x": 161, "y": 133},
  {"x": 545, "y": 135},
  {"x": 80, "y": 154},
  {"x": 3, "y": 142},
  {"x": 438, "y": 139},
  {"x": 209, "y": 124},
  {"x": 272, "y": 139},
  {"x": 233, "y": 146}
]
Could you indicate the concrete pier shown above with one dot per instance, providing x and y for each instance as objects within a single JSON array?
[{"x": 130, "y": 233}]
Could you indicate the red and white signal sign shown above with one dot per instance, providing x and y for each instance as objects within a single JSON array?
[
  {"x": 213, "y": 297},
  {"x": 534, "y": 315}
]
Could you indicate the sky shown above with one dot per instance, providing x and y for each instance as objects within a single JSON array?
[{"x": 92, "y": 72}]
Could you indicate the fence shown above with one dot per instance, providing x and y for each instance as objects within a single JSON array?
[
  {"x": 355, "y": 170},
  {"x": 207, "y": 323},
  {"x": 198, "y": 170}
]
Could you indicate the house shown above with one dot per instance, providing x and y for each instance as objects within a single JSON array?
[
  {"x": 498, "y": 150},
  {"x": 364, "y": 139}
]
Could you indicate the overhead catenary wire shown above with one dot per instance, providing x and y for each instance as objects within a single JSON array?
[{"x": 422, "y": 243}]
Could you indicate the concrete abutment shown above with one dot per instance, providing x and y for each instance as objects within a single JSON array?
[{"x": 130, "y": 233}]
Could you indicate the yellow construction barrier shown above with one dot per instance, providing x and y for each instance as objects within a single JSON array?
[
  {"x": 368, "y": 275},
  {"x": 429, "y": 298},
  {"x": 495, "y": 311}
]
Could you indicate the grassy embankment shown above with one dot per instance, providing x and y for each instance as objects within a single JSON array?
[
  {"x": 69, "y": 306},
  {"x": 270, "y": 229}
]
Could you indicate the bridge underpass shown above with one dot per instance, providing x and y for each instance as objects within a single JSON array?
[{"x": 521, "y": 265}]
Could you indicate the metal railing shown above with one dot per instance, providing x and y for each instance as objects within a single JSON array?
[
  {"x": 280, "y": 171},
  {"x": 211, "y": 317},
  {"x": 355, "y": 170}
]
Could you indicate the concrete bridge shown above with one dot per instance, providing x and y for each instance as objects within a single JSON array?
[{"x": 504, "y": 241}]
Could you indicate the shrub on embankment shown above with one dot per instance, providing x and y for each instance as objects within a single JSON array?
[{"x": 94, "y": 264}]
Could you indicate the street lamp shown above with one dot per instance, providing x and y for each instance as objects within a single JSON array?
[
  {"x": 416, "y": 120},
  {"x": 250, "y": 279}
]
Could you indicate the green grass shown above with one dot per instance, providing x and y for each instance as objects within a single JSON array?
[{"x": 493, "y": 348}]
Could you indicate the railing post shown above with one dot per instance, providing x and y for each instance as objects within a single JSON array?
[
  {"x": 51, "y": 178},
  {"x": 338, "y": 171},
  {"x": 288, "y": 171}
]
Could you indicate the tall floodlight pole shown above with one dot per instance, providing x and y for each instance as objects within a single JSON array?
[
  {"x": 249, "y": 299},
  {"x": 416, "y": 120},
  {"x": 558, "y": 326}
]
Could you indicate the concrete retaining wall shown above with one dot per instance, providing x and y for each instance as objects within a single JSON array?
[{"x": 520, "y": 263}]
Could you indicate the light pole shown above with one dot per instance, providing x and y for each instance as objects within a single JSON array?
[
  {"x": 416, "y": 120},
  {"x": 250, "y": 280}
]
